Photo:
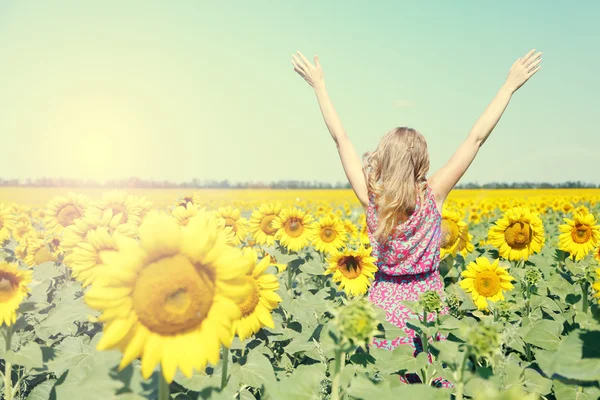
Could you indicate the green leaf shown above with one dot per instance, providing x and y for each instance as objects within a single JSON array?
[
  {"x": 545, "y": 334},
  {"x": 257, "y": 370},
  {"x": 403, "y": 356},
  {"x": 62, "y": 318},
  {"x": 303, "y": 384},
  {"x": 42, "y": 391},
  {"x": 570, "y": 392},
  {"x": 29, "y": 356},
  {"x": 536, "y": 383},
  {"x": 577, "y": 357},
  {"x": 72, "y": 353},
  {"x": 313, "y": 267}
]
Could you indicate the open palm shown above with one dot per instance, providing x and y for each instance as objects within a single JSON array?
[
  {"x": 313, "y": 74},
  {"x": 523, "y": 69}
]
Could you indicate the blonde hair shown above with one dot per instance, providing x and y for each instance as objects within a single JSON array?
[{"x": 394, "y": 173}]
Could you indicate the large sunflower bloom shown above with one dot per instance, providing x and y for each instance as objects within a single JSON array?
[
  {"x": 261, "y": 223},
  {"x": 580, "y": 235},
  {"x": 257, "y": 307},
  {"x": 352, "y": 269},
  {"x": 13, "y": 290},
  {"x": 118, "y": 202},
  {"x": 85, "y": 260},
  {"x": 518, "y": 234},
  {"x": 233, "y": 220},
  {"x": 62, "y": 211},
  {"x": 294, "y": 229},
  {"x": 455, "y": 234},
  {"x": 329, "y": 234},
  {"x": 172, "y": 297},
  {"x": 485, "y": 281},
  {"x": 8, "y": 222}
]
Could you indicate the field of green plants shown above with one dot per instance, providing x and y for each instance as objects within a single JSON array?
[{"x": 73, "y": 329}]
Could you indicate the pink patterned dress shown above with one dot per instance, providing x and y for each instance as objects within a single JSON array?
[{"x": 408, "y": 265}]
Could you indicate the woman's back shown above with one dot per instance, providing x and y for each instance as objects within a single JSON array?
[
  {"x": 414, "y": 247},
  {"x": 408, "y": 265}
]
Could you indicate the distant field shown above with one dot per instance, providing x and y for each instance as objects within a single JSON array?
[{"x": 41, "y": 196}]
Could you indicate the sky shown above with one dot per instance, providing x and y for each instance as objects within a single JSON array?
[{"x": 203, "y": 89}]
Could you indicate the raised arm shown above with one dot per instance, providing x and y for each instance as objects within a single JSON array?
[
  {"x": 350, "y": 160},
  {"x": 444, "y": 180}
]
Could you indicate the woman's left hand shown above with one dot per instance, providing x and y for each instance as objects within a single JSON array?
[{"x": 311, "y": 74}]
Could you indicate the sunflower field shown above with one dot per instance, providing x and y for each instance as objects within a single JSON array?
[{"x": 263, "y": 295}]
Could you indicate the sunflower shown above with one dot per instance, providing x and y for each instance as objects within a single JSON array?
[
  {"x": 257, "y": 307},
  {"x": 119, "y": 203},
  {"x": 351, "y": 228},
  {"x": 474, "y": 218},
  {"x": 455, "y": 233},
  {"x": 62, "y": 211},
  {"x": 85, "y": 260},
  {"x": 193, "y": 198},
  {"x": 329, "y": 234},
  {"x": 353, "y": 269},
  {"x": 77, "y": 232},
  {"x": 144, "y": 206},
  {"x": 182, "y": 214},
  {"x": 38, "y": 252},
  {"x": 21, "y": 229},
  {"x": 580, "y": 235},
  {"x": 518, "y": 234},
  {"x": 485, "y": 281},
  {"x": 172, "y": 297},
  {"x": 294, "y": 229},
  {"x": 261, "y": 223},
  {"x": 233, "y": 219},
  {"x": 13, "y": 290},
  {"x": 8, "y": 222}
]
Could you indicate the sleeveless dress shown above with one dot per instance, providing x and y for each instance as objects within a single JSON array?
[{"x": 408, "y": 265}]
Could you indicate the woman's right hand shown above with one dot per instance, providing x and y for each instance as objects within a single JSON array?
[
  {"x": 523, "y": 69},
  {"x": 311, "y": 74}
]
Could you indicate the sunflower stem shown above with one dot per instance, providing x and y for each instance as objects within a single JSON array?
[
  {"x": 8, "y": 389},
  {"x": 338, "y": 366},
  {"x": 461, "y": 377},
  {"x": 224, "y": 367},
  {"x": 584, "y": 293},
  {"x": 290, "y": 280},
  {"x": 163, "y": 386}
]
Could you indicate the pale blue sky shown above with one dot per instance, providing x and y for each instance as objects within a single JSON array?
[{"x": 177, "y": 90}]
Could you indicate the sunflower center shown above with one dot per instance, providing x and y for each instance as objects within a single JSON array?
[
  {"x": 265, "y": 225},
  {"x": 328, "y": 235},
  {"x": 231, "y": 222},
  {"x": 249, "y": 305},
  {"x": 68, "y": 214},
  {"x": 171, "y": 296},
  {"x": 449, "y": 233},
  {"x": 294, "y": 227},
  {"x": 581, "y": 234},
  {"x": 350, "y": 266},
  {"x": 42, "y": 255},
  {"x": 487, "y": 283},
  {"x": 8, "y": 286},
  {"x": 518, "y": 235},
  {"x": 119, "y": 209}
]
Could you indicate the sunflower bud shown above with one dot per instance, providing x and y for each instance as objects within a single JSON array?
[
  {"x": 430, "y": 301},
  {"x": 484, "y": 340},
  {"x": 454, "y": 302},
  {"x": 533, "y": 276},
  {"x": 357, "y": 322},
  {"x": 502, "y": 309}
]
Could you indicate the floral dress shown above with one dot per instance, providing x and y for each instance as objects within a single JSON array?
[{"x": 408, "y": 265}]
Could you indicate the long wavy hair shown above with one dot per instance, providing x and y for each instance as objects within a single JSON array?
[{"x": 395, "y": 173}]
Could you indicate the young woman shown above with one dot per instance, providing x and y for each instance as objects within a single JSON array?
[{"x": 403, "y": 206}]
